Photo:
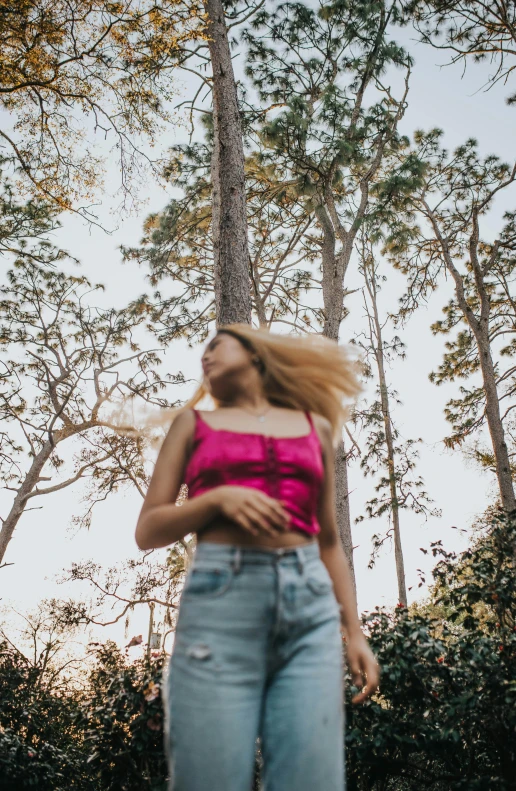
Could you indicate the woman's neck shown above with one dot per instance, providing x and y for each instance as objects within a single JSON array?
[{"x": 251, "y": 402}]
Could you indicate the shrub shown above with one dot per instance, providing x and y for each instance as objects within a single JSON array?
[
  {"x": 445, "y": 718},
  {"x": 39, "y": 746}
]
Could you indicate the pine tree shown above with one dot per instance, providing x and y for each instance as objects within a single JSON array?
[
  {"x": 66, "y": 368},
  {"x": 328, "y": 121},
  {"x": 229, "y": 217},
  {"x": 386, "y": 454},
  {"x": 435, "y": 230},
  {"x": 471, "y": 31},
  {"x": 177, "y": 249}
]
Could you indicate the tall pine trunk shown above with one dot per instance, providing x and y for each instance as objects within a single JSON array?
[
  {"x": 231, "y": 252},
  {"x": 494, "y": 422},
  {"x": 395, "y": 510},
  {"x": 342, "y": 509},
  {"x": 333, "y": 272},
  {"x": 377, "y": 342},
  {"x": 480, "y": 328}
]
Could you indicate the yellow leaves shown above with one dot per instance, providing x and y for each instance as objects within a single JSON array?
[
  {"x": 151, "y": 223},
  {"x": 69, "y": 62}
]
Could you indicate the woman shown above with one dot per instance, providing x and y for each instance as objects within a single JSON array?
[{"x": 258, "y": 649}]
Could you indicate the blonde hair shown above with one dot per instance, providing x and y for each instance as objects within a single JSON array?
[{"x": 307, "y": 372}]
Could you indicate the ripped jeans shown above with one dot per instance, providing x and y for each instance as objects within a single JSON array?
[{"x": 257, "y": 653}]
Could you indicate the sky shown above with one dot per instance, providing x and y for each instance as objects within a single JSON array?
[{"x": 45, "y": 542}]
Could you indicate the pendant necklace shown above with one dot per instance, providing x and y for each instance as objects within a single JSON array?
[{"x": 261, "y": 417}]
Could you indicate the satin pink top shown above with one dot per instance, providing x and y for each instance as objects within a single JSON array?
[{"x": 290, "y": 469}]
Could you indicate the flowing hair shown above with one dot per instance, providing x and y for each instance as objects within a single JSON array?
[{"x": 307, "y": 372}]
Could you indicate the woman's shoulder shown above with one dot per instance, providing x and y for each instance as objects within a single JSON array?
[
  {"x": 324, "y": 431},
  {"x": 185, "y": 418},
  {"x": 321, "y": 422},
  {"x": 182, "y": 426}
]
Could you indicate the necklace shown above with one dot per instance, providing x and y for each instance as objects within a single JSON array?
[{"x": 261, "y": 417}]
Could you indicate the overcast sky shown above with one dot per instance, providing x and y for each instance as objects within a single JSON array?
[{"x": 44, "y": 542}]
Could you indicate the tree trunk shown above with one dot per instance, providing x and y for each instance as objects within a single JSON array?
[
  {"x": 333, "y": 271},
  {"x": 20, "y": 501},
  {"x": 480, "y": 329},
  {"x": 395, "y": 509},
  {"x": 495, "y": 424},
  {"x": 342, "y": 505},
  {"x": 376, "y": 335},
  {"x": 231, "y": 252}
]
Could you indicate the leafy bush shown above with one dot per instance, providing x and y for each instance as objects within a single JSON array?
[
  {"x": 446, "y": 716},
  {"x": 122, "y": 724},
  {"x": 39, "y": 746},
  {"x": 107, "y": 736}
]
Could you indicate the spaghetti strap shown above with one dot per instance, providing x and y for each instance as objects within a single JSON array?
[
  {"x": 198, "y": 419},
  {"x": 309, "y": 417},
  {"x": 201, "y": 426}
]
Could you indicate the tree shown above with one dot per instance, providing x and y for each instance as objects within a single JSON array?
[
  {"x": 71, "y": 365},
  {"x": 101, "y": 730},
  {"x": 471, "y": 30},
  {"x": 72, "y": 63},
  {"x": 176, "y": 249},
  {"x": 146, "y": 581},
  {"x": 385, "y": 453},
  {"x": 328, "y": 121},
  {"x": 229, "y": 218},
  {"x": 453, "y": 197},
  {"x": 25, "y": 226},
  {"x": 121, "y": 719}
]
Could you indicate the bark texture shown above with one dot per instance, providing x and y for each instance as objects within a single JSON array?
[
  {"x": 231, "y": 252},
  {"x": 334, "y": 267},
  {"x": 495, "y": 425},
  {"x": 342, "y": 505},
  {"x": 20, "y": 502}
]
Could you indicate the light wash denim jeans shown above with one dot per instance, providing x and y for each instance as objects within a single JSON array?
[{"x": 257, "y": 653}]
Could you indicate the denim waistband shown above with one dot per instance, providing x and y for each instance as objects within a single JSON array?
[{"x": 238, "y": 556}]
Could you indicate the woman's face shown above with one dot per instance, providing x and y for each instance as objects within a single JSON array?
[{"x": 224, "y": 359}]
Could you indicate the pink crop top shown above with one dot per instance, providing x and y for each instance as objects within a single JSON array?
[{"x": 287, "y": 468}]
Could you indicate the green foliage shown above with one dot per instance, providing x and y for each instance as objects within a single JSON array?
[
  {"x": 445, "y": 717},
  {"x": 442, "y": 228},
  {"x": 471, "y": 31},
  {"x": 39, "y": 745},
  {"x": 25, "y": 226},
  {"x": 107, "y": 736},
  {"x": 176, "y": 248},
  {"x": 316, "y": 65},
  {"x": 122, "y": 723}
]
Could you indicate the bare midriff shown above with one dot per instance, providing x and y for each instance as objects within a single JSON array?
[{"x": 221, "y": 531}]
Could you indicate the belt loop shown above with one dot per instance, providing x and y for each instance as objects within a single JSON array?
[
  {"x": 300, "y": 559},
  {"x": 236, "y": 560}
]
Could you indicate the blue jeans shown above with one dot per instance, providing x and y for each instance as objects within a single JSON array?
[{"x": 257, "y": 653}]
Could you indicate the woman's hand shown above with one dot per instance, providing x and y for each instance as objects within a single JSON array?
[
  {"x": 252, "y": 509},
  {"x": 365, "y": 670}
]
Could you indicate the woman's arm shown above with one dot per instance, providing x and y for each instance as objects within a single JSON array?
[
  {"x": 362, "y": 663},
  {"x": 161, "y": 521}
]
